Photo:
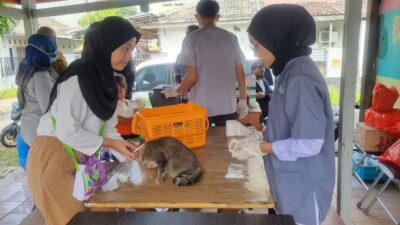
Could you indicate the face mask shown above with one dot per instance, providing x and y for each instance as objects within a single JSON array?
[{"x": 52, "y": 56}]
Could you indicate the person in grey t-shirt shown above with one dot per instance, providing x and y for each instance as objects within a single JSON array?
[
  {"x": 37, "y": 78},
  {"x": 214, "y": 62}
]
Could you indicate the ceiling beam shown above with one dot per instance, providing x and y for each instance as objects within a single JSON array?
[
  {"x": 92, "y": 6},
  {"x": 13, "y": 12}
]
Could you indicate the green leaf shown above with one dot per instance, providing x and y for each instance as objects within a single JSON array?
[
  {"x": 5, "y": 24},
  {"x": 92, "y": 17}
]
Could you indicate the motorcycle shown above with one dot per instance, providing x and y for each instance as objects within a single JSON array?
[{"x": 8, "y": 136}]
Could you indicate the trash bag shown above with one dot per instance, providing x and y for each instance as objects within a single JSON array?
[
  {"x": 385, "y": 121},
  {"x": 392, "y": 154},
  {"x": 383, "y": 98}
]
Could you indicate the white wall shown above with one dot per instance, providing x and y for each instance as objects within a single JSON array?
[
  {"x": 171, "y": 38},
  {"x": 337, "y": 26},
  {"x": 68, "y": 46},
  {"x": 18, "y": 44}
]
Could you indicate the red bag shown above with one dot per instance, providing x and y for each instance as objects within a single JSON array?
[
  {"x": 383, "y": 98},
  {"x": 384, "y": 121},
  {"x": 392, "y": 154}
]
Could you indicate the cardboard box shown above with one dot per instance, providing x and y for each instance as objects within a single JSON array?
[{"x": 371, "y": 139}]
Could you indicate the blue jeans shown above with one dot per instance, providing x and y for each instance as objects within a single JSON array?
[{"x": 23, "y": 150}]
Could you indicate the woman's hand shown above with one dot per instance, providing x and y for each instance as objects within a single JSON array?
[
  {"x": 127, "y": 149},
  {"x": 266, "y": 147},
  {"x": 260, "y": 95}
]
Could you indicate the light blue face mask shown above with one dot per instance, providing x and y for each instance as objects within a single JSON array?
[{"x": 52, "y": 56}]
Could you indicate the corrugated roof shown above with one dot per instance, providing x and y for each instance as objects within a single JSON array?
[
  {"x": 234, "y": 10},
  {"x": 230, "y": 10},
  {"x": 323, "y": 8}
]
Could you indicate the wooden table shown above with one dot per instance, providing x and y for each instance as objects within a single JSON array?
[
  {"x": 154, "y": 218},
  {"x": 214, "y": 191}
]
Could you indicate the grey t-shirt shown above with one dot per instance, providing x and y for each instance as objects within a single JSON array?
[
  {"x": 37, "y": 96},
  {"x": 216, "y": 53}
]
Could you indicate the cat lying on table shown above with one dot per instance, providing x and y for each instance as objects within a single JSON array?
[{"x": 172, "y": 158}]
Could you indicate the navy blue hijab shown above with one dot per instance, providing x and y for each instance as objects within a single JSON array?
[
  {"x": 286, "y": 30},
  {"x": 38, "y": 54}
]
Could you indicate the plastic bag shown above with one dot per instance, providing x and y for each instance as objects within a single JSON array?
[
  {"x": 383, "y": 98},
  {"x": 392, "y": 154},
  {"x": 384, "y": 121},
  {"x": 90, "y": 176}
]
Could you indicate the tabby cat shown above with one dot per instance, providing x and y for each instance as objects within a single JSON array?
[{"x": 172, "y": 157}]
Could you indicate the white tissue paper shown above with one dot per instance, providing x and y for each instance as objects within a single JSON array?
[
  {"x": 115, "y": 180},
  {"x": 248, "y": 149},
  {"x": 123, "y": 177},
  {"x": 235, "y": 171},
  {"x": 235, "y": 128}
]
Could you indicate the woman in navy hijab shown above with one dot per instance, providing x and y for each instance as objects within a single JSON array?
[{"x": 36, "y": 79}]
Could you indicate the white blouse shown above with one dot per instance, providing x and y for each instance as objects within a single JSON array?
[{"x": 77, "y": 126}]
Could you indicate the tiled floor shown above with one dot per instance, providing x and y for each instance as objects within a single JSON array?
[
  {"x": 16, "y": 203},
  {"x": 15, "y": 198}
]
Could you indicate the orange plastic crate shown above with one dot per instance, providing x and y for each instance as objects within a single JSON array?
[{"x": 186, "y": 122}]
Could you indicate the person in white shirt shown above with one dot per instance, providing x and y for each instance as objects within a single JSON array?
[
  {"x": 126, "y": 109},
  {"x": 83, "y": 99}
]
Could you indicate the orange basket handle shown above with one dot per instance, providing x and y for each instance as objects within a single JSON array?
[
  {"x": 207, "y": 124},
  {"x": 135, "y": 127}
]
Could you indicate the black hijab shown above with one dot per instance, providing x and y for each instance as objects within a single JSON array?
[
  {"x": 94, "y": 70},
  {"x": 286, "y": 30},
  {"x": 90, "y": 37}
]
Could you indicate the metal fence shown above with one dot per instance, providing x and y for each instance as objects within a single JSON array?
[
  {"x": 9, "y": 66},
  {"x": 142, "y": 57}
]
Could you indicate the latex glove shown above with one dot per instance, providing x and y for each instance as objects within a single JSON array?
[
  {"x": 243, "y": 109},
  {"x": 243, "y": 149},
  {"x": 170, "y": 92},
  {"x": 255, "y": 136}
]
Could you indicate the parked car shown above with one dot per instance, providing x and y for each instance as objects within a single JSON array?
[{"x": 151, "y": 73}]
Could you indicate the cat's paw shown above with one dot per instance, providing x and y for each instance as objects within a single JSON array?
[{"x": 159, "y": 181}]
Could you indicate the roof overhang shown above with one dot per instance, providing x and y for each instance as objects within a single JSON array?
[{"x": 69, "y": 9}]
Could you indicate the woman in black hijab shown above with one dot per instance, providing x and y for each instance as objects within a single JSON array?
[
  {"x": 128, "y": 72},
  {"x": 299, "y": 140},
  {"x": 81, "y": 115}
]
